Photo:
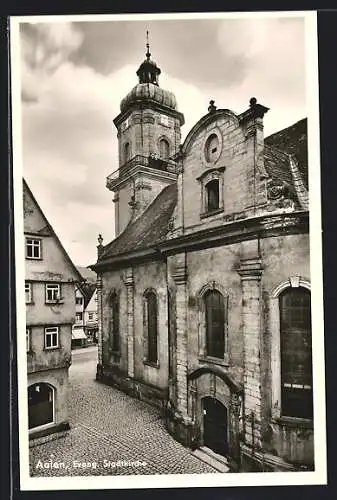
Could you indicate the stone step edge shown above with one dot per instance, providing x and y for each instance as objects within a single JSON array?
[
  {"x": 46, "y": 439},
  {"x": 214, "y": 455},
  {"x": 215, "y": 464}
]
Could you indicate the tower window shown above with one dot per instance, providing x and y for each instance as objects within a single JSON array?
[
  {"x": 127, "y": 152},
  {"x": 212, "y": 194},
  {"x": 164, "y": 149}
]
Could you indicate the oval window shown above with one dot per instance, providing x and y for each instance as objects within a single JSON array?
[{"x": 212, "y": 148}]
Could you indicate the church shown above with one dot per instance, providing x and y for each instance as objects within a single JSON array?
[{"x": 204, "y": 304}]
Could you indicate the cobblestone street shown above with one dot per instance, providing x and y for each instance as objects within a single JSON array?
[{"x": 107, "y": 429}]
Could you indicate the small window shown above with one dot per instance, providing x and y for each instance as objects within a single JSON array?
[
  {"x": 33, "y": 248},
  {"x": 212, "y": 195},
  {"x": 28, "y": 292},
  {"x": 79, "y": 301},
  {"x": 91, "y": 316},
  {"x": 53, "y": 292},
  {"x": 79, "y": 317},
  {"x": 51, "y": 337},
  {"x": 27, "y": 339},
  {"x": 164, "y": 149},
  {"x": 127, "y": 152}
]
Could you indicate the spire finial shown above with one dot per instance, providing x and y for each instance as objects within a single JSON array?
[{"x": 148, "y": 54}]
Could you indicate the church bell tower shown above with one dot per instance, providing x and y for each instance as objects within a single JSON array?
[{"x": 148, "y": 132}]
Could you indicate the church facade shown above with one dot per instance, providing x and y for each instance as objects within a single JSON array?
[{"x": 204, "y": 294}]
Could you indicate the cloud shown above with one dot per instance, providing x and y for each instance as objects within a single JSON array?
[{"x": 69, "y": 140}]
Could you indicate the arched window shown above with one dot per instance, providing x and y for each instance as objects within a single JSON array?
[
  {"x": 40, "y": 405},
  {"x": 212, "y": 195},
  {"x": 151, "y": 327},
  {"x": 296, "y": 353},
  {"x": 114, "y": 321},
  {"x": 127, "y": 152},
  {"x": 164, "y": 149},
  {"x": 215, "y": 323}
]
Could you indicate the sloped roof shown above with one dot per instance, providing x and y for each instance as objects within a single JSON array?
[
  {"x": 292, "y": 141},
  {"x": 87, "y": 274},
  {"x": 48, "y": 230},
  {"x": 152, "y": 226},
  {"x": 88, "y": 290},
  {"x": 149, "y": 229}
]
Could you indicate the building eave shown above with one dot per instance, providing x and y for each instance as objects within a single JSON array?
[{"x": 234, "y": 232}]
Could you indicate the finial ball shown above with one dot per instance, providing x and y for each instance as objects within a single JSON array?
[{"x": 252, "y": 101}]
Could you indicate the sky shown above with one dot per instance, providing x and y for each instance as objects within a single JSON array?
[{"x": 74, "y": 75}]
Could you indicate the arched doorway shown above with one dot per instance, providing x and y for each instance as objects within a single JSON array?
[
  {"x": 40, "y": 405},
  {"x": 215, "y": 423}
]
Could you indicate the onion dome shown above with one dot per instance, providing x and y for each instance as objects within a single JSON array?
[
  {"x": 149, "y": 91},
  {"x": 148, "y": 86}
]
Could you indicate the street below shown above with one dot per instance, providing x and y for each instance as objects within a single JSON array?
[{"x": 111, "y": 433}]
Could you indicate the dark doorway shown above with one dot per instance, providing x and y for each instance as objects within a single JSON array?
[
  {"x": 215, "y": 425},
  {"x": 40, "y": 405}
]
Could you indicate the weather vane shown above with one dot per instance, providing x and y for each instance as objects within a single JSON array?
[{"x": 147, "y": 45}]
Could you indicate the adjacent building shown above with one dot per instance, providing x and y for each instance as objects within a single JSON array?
[
  {"x": 90, "y": 316},
  {"x": 79, "y": 338},
  {"x": 50, "y": 284},
  {"x": 204, "y": 296}
]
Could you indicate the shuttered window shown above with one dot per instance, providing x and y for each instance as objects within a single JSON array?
[{"x": 296, "y": 353}]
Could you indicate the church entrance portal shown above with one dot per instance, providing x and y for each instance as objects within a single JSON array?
[{"x": 215, "y": 425}]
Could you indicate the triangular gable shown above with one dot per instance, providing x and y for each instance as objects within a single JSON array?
[
  {"x": 36, "y": 224},
  {"x": 92, "y": 304}
]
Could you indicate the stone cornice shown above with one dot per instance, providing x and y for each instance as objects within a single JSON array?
[
  {"x": 233, "y": 232},
  {"x": 145, "y": 104},
  {"x": 240, "y": 230}
]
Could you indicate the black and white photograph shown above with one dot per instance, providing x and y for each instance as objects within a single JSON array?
[{"x": 169, "y": 292}]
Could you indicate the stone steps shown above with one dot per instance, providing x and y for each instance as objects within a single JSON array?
[{"x": 218, "y": 462}]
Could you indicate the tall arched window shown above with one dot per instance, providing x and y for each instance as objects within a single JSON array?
[
  {"x": 215, "y": 323},
  {"x": 114, "y": 321},
  {"x": 296, "y": 353},
  {"x": 212, "y": 195},
  {"x": 40, "y": 405},
  {"x": 151, "y": 327},
  {"x": 164, "y": 149},
  {"x": 127, "y": 152}
]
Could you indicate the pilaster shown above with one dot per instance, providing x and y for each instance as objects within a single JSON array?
[
  {"x": 129, "y": 283},
  {"x": 99, "y": 317},
  {"x": 179, "y": 275},
  {"x": 250, "y": 271}
]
